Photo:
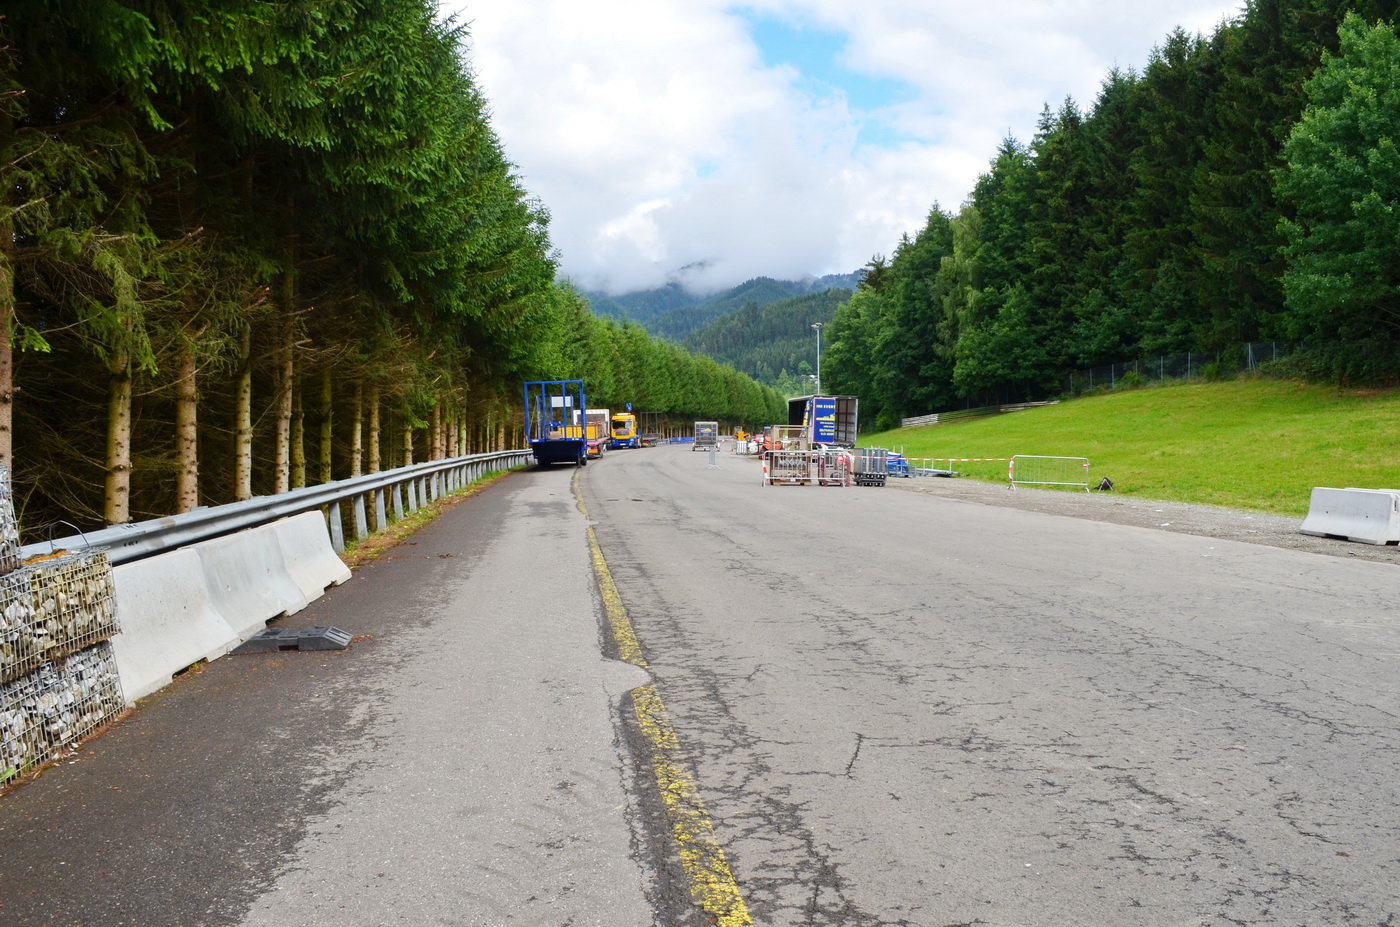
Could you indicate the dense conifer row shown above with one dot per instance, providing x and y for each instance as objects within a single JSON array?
[
  {"x": 246, "y": 246},
  {"x": 1242, "y": 187}
]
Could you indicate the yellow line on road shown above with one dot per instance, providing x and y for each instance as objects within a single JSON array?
[{"x": 712, "y": 884}]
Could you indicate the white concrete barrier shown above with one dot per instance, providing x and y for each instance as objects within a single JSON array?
[
  {"x": 307, "y": 552},
  {"x": 167, "y": 621},
  {"x": 1371, "y": 516},
  {"x": 247, "y": 579}
]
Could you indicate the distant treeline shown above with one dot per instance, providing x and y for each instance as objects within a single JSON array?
[
  {"x": 247, "y": 245},
  {"x": 1243, "y": 187}
]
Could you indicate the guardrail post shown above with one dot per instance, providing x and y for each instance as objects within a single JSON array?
[
  {"x": 411, "y": 488},
  {"x": 337, "y": 528},
  {"x": 398, "y": 501},
  {"x": 361, "y": 523},
  {"x": 381, "y": 520}
]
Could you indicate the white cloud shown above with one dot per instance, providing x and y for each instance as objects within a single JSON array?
[{"x": 658, "y": 138}]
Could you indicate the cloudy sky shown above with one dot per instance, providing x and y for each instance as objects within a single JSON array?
[{"x": 712, "y": 141}]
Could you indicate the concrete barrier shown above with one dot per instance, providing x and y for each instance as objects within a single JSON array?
[
  {"x": 167, "y": 621},
  {"x": 248, "y": 581},
  {"x": 1371, "y": 516},
  {"x": 307, "y": 552}
]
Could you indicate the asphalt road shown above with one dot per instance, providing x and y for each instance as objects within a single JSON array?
[
  {"x": 909, "y": 709},
  {"x": 898, "y": 708}
]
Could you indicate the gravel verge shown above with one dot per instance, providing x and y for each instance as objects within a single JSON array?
[{"x": 1182, "y": 517}]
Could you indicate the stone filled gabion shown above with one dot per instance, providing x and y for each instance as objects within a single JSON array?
[
  {"x": 9, "y": 525},
  {"x": 71, "y": 605},
  {"x": 55, "y": 705}
]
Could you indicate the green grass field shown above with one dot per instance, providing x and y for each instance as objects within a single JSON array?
[{"x": 1254, "y": 444}]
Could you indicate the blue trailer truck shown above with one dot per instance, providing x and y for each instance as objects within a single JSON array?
[
  {"x": 554, "y": 422},
  {"x": 827, "y": 421}
]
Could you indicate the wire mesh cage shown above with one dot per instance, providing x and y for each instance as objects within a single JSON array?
[
  {"x": 9, "y": 525},
  {"x": 788, "y": 467},
  {"x": 870, "y": 465},
  {"x": 833, "y": 467},
  {"x": 56, "y": 705},
  {"x": 71, "y": 604}
]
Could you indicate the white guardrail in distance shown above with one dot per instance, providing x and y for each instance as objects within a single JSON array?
[
  {"x": 1371, "y": 516},
  {"x": 192, "y": 587},
  {"x": 1031, "y": 470},
  {"x": 958, "y": 415}
]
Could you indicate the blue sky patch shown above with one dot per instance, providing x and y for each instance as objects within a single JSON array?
[{"x": 815, "y": 53}]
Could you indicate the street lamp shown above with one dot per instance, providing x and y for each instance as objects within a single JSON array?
[{"x": 818, "y": 327}]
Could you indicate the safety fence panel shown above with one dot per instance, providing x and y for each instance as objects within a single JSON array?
[{"x": 1030, "y": 470}]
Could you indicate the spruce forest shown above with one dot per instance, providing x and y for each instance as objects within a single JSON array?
[
  {"x": 1243, "y": 187},
  {"x": 248, "y": 246}
]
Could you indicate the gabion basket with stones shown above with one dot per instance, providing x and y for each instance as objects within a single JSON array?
[
  {"x": 54, "y": 607},
  {"x": 9, "y": 525},
  {"x": 55, "y": 705}
]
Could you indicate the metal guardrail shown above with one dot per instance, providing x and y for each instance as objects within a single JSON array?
[
  {"x": 958, "y": 415},
  {"x": 405, "y": 489}
]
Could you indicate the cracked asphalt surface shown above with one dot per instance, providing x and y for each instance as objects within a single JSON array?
[
  {"x": 938, "y": 703},
  {"x": 921, "y": 705}
]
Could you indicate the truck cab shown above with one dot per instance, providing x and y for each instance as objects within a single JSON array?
[{"x": 624, "y": 430}]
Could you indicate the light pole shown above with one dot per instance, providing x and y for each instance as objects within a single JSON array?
[{"x": 818, "y": 327}]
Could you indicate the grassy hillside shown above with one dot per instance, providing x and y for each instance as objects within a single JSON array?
[{"x": 1256, "y": 444}]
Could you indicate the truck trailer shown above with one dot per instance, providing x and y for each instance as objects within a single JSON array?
[
  {"x": 706, "y": 436},
  {"x": 599, "y": 431},
  {"x": 827, "y": 421},
  {"x": 554, "y": 422}
]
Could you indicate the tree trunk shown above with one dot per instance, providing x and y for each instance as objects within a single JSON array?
[
  {"x": 116, "y": 503},
  {"x": 243, "y": 420},
  {"x": 374, "y": 429},
  {"x": 357, "y": 431},
  {"x": 435, "y": 432},
  {"x": 282, "y": 451},
  {"x": 407, "y": 445},
  {"x": 186, "y": 430},
  {"x": 298, "y": 438},
  {"x": 7, "y": 356},
  {"x": 327, "y": 423}
]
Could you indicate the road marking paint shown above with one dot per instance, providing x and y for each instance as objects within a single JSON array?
[{"x": 713, "y": 887}]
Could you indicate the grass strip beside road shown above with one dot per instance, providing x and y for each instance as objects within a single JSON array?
[
  {"x": 1251, "y": 444},
  {"x": 713, "y": 888}
]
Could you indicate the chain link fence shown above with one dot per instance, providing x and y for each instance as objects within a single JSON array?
[{"x": 1193, "y": 365}]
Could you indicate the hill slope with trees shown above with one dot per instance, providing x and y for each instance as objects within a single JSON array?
[
  {"x": 675, "y": 313},
  {"x": 774, "y": 343},
  {"x": 1243, "y": 187}
]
